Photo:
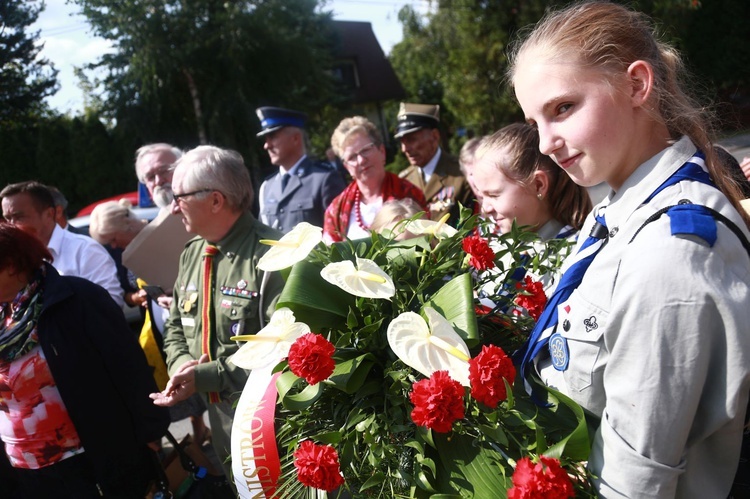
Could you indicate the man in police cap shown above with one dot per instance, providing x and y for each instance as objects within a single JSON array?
[
  {"x": 432, "y": 170},
  {"x": 301, "y": 190}
]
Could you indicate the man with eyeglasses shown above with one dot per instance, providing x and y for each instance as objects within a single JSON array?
[
  {"x": 301, "y": 190},
  {"x": 436, "y": 173},
  {"x": 154, "y": 166},
  {"x": 219, "y": 292}
]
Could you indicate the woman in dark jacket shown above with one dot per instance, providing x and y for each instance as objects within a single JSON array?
[{"x": 75, "y": 416}]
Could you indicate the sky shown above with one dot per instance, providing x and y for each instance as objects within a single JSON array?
[{"x": 68, "y": 41}]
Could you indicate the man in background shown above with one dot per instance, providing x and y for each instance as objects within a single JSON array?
[
  {"x": 31, "y": 207},
  {"x": 432, "y": 170},
  {"x": 301, "y": 190},
  {"x": 219, "y": 292},
  {"x": 61, "y": 211},
  {"x": 154, "y": 166}
]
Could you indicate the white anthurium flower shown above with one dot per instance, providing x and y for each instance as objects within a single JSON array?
[
  {"x": 365, "y": 279},
  {"x": 270, "y": 344},
  {"x": 291, "y": 248},
  {"x": 429, "y": 348},
  {"x": 439, "y": 229}
]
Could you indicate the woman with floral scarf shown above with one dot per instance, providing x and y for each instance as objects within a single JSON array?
[
  {"x": 357, "y": 142},
  {"x": 75, "y": 416}
]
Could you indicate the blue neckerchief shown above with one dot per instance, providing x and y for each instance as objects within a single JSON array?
[{"x": 687, "y": 220}]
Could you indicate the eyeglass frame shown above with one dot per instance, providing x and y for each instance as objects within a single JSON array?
[
  {"x": 160, "y": 171},
  {"x": 352, "y": 160},
  {"x": 176, "y": 197}
]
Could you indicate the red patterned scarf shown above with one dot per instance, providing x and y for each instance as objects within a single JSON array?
[{"x": 337, "y": 214}]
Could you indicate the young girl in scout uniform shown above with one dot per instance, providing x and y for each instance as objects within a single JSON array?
[{"x": 654, "y": 339}]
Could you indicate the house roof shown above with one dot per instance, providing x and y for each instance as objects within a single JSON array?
[{"x": 375, "y": 76}]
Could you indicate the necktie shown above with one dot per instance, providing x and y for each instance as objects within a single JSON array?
[
  {"x": 284, "y": 181},
  {"x": 545, "y": 326},
  {"x": 207, "y": 311}
]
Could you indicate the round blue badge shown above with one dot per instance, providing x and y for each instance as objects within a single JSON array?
[
  {"x": 235, "y": 329},
  {"x": 558, "y": 351}
]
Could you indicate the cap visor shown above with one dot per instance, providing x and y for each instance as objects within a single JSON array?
[{"x": 268, "y": 130}]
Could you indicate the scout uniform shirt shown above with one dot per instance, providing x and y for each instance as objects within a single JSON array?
[
  {"x": 657, "y": 341},
  {"x": 236, "y": 302}
]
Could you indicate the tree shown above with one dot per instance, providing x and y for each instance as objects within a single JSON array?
[
  {"x": 25, "y": 80},
  {"x": 193, "y": 71},
  {"x": 455, "y": 55}
]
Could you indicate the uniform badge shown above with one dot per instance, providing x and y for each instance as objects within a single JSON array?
[
  {"x": 226, "y": 303},
  {"x": 558, "y": 351},
  {"x": 190, "y": 300},
  {"x": 238, "y": 328},
  {"x": 191, "y": 287},
  {"x": 242, "y": 284},
  {"x": 590, "y": 324}
]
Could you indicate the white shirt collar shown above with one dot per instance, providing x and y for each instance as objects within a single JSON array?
[
  {"x": 293, "y": 169},
  {"x": 429, "y": 168},
  {"x": 56, "y": 241},
  {"x": 645, "y": 180}
]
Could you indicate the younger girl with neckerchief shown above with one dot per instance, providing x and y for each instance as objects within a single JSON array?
[{"x": 653, "y": 338}]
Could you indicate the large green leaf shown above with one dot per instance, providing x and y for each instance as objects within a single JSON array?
[
  {"x": 474, "y": 471},
  {"x": 455, "y": 302},
  {"x": 314, "y": 301},
  {"x": 349, "y": 375}
]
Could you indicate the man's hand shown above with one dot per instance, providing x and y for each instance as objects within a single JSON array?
[
  {"x": 164, "y": 301},
  {"x": 180, "y": 386}
]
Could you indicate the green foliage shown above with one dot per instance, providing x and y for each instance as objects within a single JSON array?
[
  {"x": 455, "y": 55},
  {"x": 193, "y": 71},
  {"x": 364, "y": 411},
  {"x": 25, "y": 79}
]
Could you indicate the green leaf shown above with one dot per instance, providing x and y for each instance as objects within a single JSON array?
[
  {"x": 471, "y": 469},
  {"x": 296, "y": 401},
  {"x": 374, "y": 480},
  {"x": 455, "y": 302},
  {"x": 313, "y": 300},
  {"x": 349, "y": 375}
]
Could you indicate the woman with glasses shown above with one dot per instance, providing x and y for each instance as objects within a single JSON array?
[{"x": 358, "y": 143}]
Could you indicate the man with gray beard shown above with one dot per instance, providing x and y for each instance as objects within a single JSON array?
[{"x": 154, "y": 166}]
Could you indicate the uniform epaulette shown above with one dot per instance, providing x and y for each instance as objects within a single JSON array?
[{"x": 688, "y": 219}]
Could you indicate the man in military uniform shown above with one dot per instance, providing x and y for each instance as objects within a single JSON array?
[
  {"x": 219, "y": 292},
  {"x": 301, "y": 190},
  {"x": 435, "y": 172}
]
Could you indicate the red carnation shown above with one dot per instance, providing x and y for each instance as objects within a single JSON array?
[
  {"x": 438, "y": 402},
  {"x": 486, "y": 374},
  {"x": 310, "y": 358},
  {"x": 481, "y": 256},
  {"x": 318, "y": 466},
  {"x": 544, "y": 480},
  {"x": 532, "y": 297}
]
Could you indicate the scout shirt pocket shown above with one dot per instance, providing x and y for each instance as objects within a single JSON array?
[
  {"x": 582, "y": 324},
  {"x": 189, "y": 311},
  {"x": 239, "y": 307}
]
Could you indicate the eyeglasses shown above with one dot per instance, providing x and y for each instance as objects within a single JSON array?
[
  {"x": 177, "y": 197},
  {"x": 160, "y": 171},
  {"x": 363, "y": 153}
]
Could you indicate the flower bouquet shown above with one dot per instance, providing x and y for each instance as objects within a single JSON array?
[{"x": 385, "y": 378}]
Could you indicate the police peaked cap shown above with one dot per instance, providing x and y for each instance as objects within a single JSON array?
[
  {"x": 413, "y": 117},
  {"x": 276, "y": 118}
]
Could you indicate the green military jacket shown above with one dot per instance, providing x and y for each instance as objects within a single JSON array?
[
  {"x": 446, "y": 188},
  {"x": 236, "y": 304}
]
